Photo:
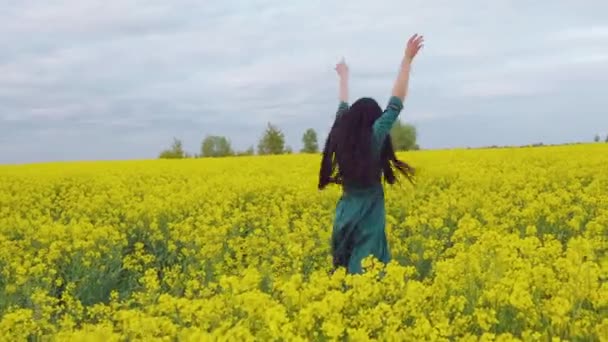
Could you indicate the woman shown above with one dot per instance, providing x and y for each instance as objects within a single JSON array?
[{"x": 358, "y": 153}]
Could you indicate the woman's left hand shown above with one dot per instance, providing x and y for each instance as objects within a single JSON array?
[{"x": 342, "y": 68}]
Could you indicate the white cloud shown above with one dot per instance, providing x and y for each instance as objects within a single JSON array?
[
  {"x": 188, "y": 67},
  {"x": 498, "y": 89},
  {"x": 592, "y": 33}
]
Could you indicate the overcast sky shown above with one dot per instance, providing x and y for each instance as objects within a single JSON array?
[{"x": 93, "y": 79}]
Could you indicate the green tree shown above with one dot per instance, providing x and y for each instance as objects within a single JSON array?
[
  {"x": 309, "y": 140},
  {"x": 404, "y": 136},
  {"x": 272, "y": 142},
  {"x": 216, "y": 146},
  {"x": 175, "y": 152},
  {"x": 606, "y": 138},
  {"x": 248, "y": 152},
  {"x": 597, "y": 138}
]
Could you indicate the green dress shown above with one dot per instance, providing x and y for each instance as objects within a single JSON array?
[{"x": 359, "y": 223}]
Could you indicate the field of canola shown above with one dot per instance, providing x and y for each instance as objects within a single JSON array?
[{"x": 490, "y": 245}]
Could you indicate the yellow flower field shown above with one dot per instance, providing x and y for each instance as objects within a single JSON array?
[{"x": 489, "y": 245}]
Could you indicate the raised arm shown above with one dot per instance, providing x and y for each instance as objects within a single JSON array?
[
  {"x": 414, "y": 44},
  {"x": 343, "y": 74},
  {"x": 384, "y": 123}
]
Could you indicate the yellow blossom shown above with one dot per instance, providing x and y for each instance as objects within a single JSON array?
[{"x": 490, "y": 245}]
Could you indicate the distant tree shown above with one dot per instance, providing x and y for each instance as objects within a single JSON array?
[
  {"x": 216, "y": 146},
  {"x": 288, "y": 150},
  {"x": 309, "y": 140},
  {"x": 272, "y": 142},
  {"x": 597, "y": 138},
  {"x": 175, "y": 152},
  {"x": 606, "y": 138},
  {"x": 404, "y": 136},
  {"x": 248, "y": 152}
]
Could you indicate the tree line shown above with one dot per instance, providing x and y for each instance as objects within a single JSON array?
[
  {"x": 598, "y": 138},
  {"x": 272, "y": 141}
]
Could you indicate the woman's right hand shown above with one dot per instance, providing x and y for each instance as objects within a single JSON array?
[{"x": 414, "y": 44}]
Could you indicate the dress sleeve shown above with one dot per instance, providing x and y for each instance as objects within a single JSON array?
[
  {"x": 342, "y": 108},
  {"x": 382, "y": 125}
]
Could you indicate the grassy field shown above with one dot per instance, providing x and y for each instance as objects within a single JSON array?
[{"x": 505, "y": 244}]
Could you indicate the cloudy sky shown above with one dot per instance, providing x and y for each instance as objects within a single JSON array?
[{"x": 93, "y": 79}]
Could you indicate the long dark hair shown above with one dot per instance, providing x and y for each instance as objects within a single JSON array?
[{"x": 348, "y": 157}]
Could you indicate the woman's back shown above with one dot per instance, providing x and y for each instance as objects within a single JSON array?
[
  {"x": 358, "y": 153},
  {"x": 360, "y": 146}
]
